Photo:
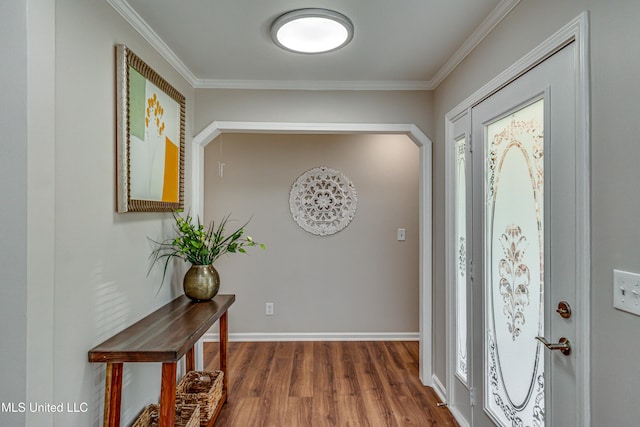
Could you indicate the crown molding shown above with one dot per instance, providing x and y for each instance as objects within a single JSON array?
[
  {"x": 312, "y": 84},
  {"x": 139, "y": 24},
  {"x": 483, "y": 30},
  {"x": 136, "y": 21}
]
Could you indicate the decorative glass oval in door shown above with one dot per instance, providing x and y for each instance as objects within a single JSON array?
[{"x": 514, "y": 221}]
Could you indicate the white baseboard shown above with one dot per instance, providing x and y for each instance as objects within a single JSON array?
[
  {"x": 458, "y": 416},
  {"x": 440, "y": 390},
  {"x": 315, "y": 336}
]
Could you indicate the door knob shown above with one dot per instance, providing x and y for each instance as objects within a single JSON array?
[{"x": 563, "y": 345}]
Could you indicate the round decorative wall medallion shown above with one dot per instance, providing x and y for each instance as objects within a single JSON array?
[{"x": 323, "y": 201}]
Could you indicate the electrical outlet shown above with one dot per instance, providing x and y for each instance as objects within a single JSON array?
[
  {"x": 626, "y": 291},
  {"x": 269, "y": 309}
]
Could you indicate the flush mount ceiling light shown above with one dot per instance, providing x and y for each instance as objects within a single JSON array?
[{"x": 312, "y": 31}]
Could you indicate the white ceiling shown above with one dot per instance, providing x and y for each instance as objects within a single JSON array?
[{"x": 401, "y": 44}]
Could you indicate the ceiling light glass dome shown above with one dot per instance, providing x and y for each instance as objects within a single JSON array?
[{"x": 312, "y": 31}]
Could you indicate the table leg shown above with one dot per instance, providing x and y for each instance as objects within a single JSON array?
[
  {"x": 224, "y": 347},
  {"x": 168, "y": 395},
  {"x": 112, "y": 395},
  {"x": 190, "y": 360}
]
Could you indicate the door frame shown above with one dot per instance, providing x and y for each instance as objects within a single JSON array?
[
  {"x": 451, "y": 255},
  {"x": 576, "y": 31},
  {"x": 216, "y": 128}
]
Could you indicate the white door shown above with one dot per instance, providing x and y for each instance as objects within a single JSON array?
[{"x": 524, "y": 251}]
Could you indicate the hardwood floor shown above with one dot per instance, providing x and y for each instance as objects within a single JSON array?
[{"x": 317, "y": 384}]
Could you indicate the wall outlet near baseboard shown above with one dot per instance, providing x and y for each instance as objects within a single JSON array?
[{"x": 268, "y": 309}]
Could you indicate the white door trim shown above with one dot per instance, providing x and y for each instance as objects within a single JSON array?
[
  {"x": 216, "y": 128},
  {"x": 575, "y": 31},
  {"x": 450, "y": 259}
]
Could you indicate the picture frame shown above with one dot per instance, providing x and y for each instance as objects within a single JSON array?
[{"x": 150, "y": 138}]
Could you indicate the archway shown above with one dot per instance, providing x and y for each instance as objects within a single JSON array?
[{"x": 216, "y": 128}]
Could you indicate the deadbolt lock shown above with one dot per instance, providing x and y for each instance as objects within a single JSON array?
[{"x": 564, "y": 309}]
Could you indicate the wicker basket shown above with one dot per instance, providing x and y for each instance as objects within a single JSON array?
[
  {"x": 186, "y": 416},
  {"x": 202, "y": 388}
]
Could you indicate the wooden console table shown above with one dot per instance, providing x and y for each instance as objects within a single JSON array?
[{"x": 164, "y": 336}]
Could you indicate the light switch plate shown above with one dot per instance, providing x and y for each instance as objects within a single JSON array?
[
  {"x": 626, "y": 291},
  {"x": 402, "y": 236},
  {"x": 269, "y": 309}
]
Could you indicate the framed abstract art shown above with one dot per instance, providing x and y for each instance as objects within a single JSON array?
[{"x": 150, "y": 136}]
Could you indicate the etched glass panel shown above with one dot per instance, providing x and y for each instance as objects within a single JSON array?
[
  {"x": 514, "y": 174},
  {"x": 461, "y": 262}
]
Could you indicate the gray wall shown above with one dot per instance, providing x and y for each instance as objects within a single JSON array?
[
  {"x": 41, "y": 205},
  {"x": 615, "y": 151},
  {"x": 13, "y": 228},
  {"x": 95, "y": 281},
  {"x": 314, "y": 107},
  {"x": 359, "y": 280}
]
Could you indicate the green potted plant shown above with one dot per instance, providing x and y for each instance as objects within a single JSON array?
[{"x": 201, "y": 246}]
